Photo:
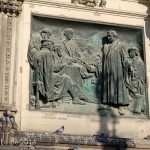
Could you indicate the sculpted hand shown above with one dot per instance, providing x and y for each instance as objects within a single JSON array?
[
  {"x": 63, "y": 65},
  {"x": 131, "y": 69},
  {"x": 69, "y": 62}
]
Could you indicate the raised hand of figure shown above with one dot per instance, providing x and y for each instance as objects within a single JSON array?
[
  {"x": 71, "y": 61},
  {"x": 81, "y": 61},
  {"x": 63, "y": 65},
  {"x": 132, "y": 70}
]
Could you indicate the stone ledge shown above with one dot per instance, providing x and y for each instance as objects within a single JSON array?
[
  {"x": 7, "y": 107},
  {"x": 49, "y": 139}
]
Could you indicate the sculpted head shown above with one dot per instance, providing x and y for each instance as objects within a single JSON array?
[
  {"x": 12, "y": 120},
  {"x": 46, "y": 33},
  {"x": 68, "y": 33},
  {"x": 90, "y": 49},
  {"x": 133, "y": 52},
  {"x": 3, "y": 119},
  {"x": 8, "y": 112},
  {"x": 102, "y": 3},
  {"x": 49, "y": 44},
  {"x": 112, "y": 36}
]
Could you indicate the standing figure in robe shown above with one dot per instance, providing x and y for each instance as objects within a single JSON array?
[{"x": 115, "y": 67}]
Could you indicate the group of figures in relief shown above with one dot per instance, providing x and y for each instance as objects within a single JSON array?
[
  {"x": 8, "y": 128},
  {"x": 63, "y": 70}
]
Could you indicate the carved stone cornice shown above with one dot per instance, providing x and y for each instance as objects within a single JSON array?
[
  {"x": 11, "y": 7},
  {"x": 96, "y": 10},
  {"x": 90, "y": 3}
]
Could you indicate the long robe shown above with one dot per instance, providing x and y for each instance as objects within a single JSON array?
[
  {"x": 137, "y": 82},
  {"x": 115, "y": 64},
  {"x": 70, "y": 51},
  {"x": 51, "y": 85}
]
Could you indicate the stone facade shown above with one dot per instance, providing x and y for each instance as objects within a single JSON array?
[{"x": 15, "y": 30}]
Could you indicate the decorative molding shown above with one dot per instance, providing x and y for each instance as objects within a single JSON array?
[
  {"x": 90, "y": 3},
  {"x": 138, "y": 1},
  {"x": 7, "y": 59},
  {"x": 97, "y": 10},
  {"x": 11, "y": 7}
]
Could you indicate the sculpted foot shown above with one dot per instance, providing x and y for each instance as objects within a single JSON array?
[
  {"x": 121, "y": 110},
  {"x": 87, "y": 75},
  {"x": 78, "y": 102},
  {"x": 91, "y": 101}
]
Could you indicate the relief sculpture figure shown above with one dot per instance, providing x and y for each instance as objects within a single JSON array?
[
  {"x": 35, "y": 43},
  {"x": 137, "y": 82},
  {"x": 116, "y": 63},
  {"x": 34, "y": 47},
  {"x": 51, "y": 85},
  {"x": 8, "y": 128},
  {"x": 72, "y": 55},
  {"x": 91, "y": 60},
  {"x": 87, "y": 3},
  {"x": 102, "y": 3}
]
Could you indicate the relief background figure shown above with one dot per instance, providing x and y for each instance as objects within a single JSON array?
[
  {"x": 137, "y": 81},
  {"x": 34, "y": 47}
]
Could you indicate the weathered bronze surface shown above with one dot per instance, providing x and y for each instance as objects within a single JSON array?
[{"x": 87, "y": 68}]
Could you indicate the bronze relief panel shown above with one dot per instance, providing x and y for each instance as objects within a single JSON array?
[{"x": 87, "y": 68}]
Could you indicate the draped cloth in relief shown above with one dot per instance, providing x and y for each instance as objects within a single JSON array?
[{"x": 115, "y": 81}]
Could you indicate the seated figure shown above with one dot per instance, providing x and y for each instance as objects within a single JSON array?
[
  {"x": 51, "y": 84},
  {"x": 71, "y": 54}
]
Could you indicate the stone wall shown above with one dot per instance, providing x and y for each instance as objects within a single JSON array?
[{"x": 15, "y": 31}]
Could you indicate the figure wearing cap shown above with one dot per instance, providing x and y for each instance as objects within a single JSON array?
[{"x": 137, "y": 81}]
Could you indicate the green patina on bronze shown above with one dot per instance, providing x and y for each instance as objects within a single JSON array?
[{"x": 77, "y": 63}]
